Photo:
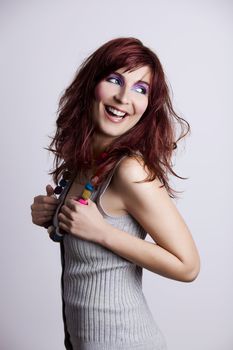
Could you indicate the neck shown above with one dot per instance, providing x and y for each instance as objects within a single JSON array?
[{"x": 98, "y": 146}]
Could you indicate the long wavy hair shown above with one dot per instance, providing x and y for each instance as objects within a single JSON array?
[{"x": 154, "y": 136}]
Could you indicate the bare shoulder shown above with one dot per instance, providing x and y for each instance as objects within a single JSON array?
[{"x": 132, "y": 170}]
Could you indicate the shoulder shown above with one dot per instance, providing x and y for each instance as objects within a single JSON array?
[
  {"x": 133, "y": 169},
  {"x": 135, "y": 195},
  {"x": 148, "y": 202}
]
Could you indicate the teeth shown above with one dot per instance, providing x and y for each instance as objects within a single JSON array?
[{"x": 115, "y": 111}]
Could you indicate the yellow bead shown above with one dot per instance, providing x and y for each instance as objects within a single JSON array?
[{"x": 86, "y": 194}]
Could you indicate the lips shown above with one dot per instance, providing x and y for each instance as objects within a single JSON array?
[
  {"x": 116, "y": 110},
  {"x": 115, "y": 118}
]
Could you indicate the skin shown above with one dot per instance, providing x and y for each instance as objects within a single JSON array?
[
  {"x": 125, "y": 92},
  {"x": 173, "y": 253},
  {"x": 43, "y": 207}
]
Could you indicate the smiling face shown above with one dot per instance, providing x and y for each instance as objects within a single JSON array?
[{"x": 120, "y": 101}]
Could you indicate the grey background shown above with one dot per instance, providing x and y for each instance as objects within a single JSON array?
[{"x": 42, "y": 44}]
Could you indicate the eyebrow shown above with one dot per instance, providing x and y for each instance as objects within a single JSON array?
[{"x": 139, "y": 81}]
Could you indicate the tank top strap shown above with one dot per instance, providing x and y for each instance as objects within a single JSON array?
[{"x": 100, "y": 191}]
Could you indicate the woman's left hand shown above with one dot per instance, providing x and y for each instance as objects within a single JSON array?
[{"x": 83, "y": 221}]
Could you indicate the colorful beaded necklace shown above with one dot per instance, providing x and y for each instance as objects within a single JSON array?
[{"x": 54, "y": 232}]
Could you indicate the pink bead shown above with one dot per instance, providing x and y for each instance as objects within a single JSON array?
[{"x": 82, "y": 201}]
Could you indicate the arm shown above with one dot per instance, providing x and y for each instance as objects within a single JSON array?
[{"x": 174, "y": 255}]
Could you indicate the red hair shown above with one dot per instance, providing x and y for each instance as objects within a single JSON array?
[{"x": 154, "y": 135}]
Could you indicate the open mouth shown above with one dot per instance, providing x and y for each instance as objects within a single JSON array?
[{"x": 115, "y": 113}]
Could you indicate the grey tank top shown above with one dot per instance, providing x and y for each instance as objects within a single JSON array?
[{"x": 104, "y": 307}]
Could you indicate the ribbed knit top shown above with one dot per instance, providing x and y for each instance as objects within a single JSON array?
[{"x": 104, "y": 305}]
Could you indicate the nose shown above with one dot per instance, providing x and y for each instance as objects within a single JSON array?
[{"x": 122, "y": 96}]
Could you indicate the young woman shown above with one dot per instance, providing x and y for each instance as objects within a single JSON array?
[{"x": 117, "y": 129}]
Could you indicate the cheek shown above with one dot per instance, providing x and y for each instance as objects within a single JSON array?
[
  {"x": 142, "y": 106},
  {"x": 100, "y": 92}
]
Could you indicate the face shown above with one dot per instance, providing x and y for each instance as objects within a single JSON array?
[{"x": 120, "y": 101}]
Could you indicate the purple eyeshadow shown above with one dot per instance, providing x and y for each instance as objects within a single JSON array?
[
  {"x": 142, "y": 86},
  {"x": 116, "y": 76}
]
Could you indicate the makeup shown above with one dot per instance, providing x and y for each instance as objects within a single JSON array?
[
  {"x": 140, "y": 86},
  {"x": 113, "y": 118}
]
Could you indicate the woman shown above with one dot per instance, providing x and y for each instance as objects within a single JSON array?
[{"x": 116, "y": 129}]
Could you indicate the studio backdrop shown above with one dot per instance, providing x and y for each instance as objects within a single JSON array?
[{"x": 42, "y": 45}]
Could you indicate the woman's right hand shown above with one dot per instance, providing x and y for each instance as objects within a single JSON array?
[{"x": 43, "y": 208}]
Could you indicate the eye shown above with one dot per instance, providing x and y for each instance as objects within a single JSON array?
[
  {"x": 141, "y": 89},
  {"x": 114, "y": 80}
]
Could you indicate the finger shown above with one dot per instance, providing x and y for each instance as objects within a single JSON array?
[
  {"x": 50, "y": 200},
  {"x": 44, "y": 207},
  {"x": 72, "y": 204},
  {"x": 67, "y": 212},
  {"x": 90, "y": 202},
  {"x": 42, "y": 217},
  {"x": 62, "y": 218},
  {"x": 74, "y": 197},
  {"x": 46, "y": 199},
  {"x": 63, "y": 226},
  {"x": 49, "y": 190},
  {"x": 43, "y": 213},
  {"x": 40, "y": 221}
]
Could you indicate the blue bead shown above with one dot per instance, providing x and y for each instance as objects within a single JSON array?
[
  {"x": 89, "y": 186},
  {"x": 62, "y": 182}
]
